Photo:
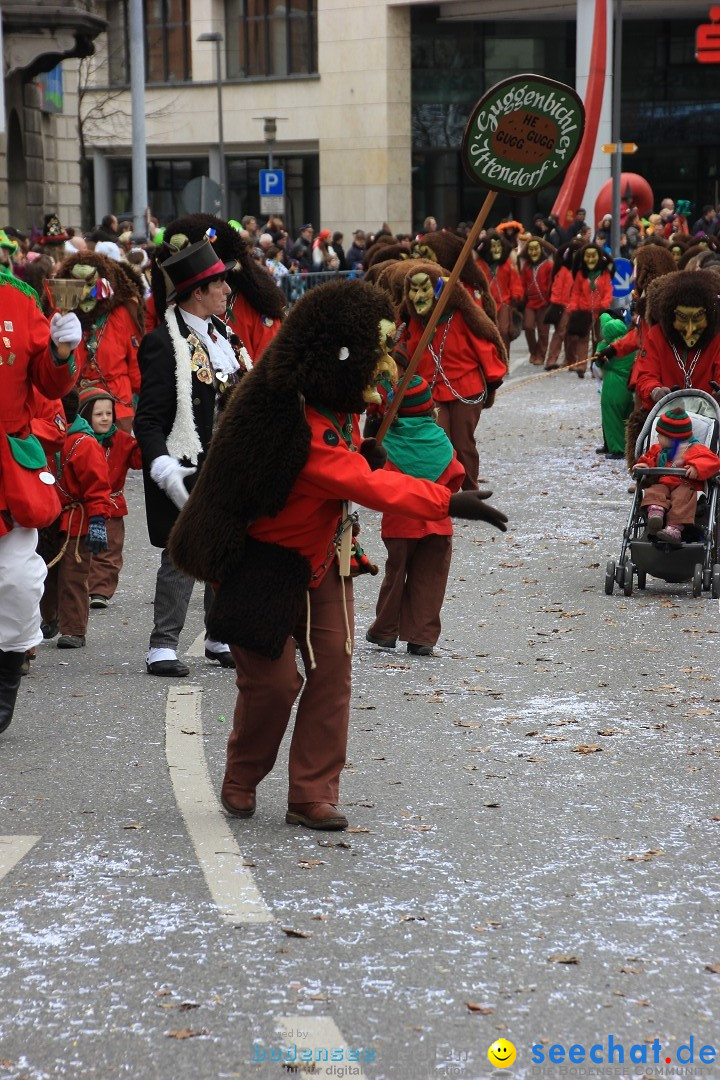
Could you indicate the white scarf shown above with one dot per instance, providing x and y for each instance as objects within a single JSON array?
[{"x": 183, "y": 441}]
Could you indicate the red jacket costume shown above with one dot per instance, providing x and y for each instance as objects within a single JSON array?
[
  {"x": 536, "y": 280},
  {"x": 122, "y": 452},
  {"x": 83, "y": 483},
  {"x": 504, "y": 281},
  {"x": 401, "y": 526},
  {"x": 27, "y": 362},
  {"x": 331, "y": 474},
  {"x": 255, "y": 330},
  {"x": 705, "y": 461},
  {"x": 48, "y": 423},
  {"x": 114, "y": 362},
  {"x": 468, "y": 362},
  {"x": 561, "y": 287},
  {"x": 593, "y": 295},
  {"x": 658, "y": 364}
]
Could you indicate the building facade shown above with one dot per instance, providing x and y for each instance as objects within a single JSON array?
[{"x": 369, "y": 102}]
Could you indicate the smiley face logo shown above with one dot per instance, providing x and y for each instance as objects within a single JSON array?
[{"x": 501, "y": 1054}]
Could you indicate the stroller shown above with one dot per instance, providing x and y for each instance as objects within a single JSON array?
[{"x": 696, "y": 559}]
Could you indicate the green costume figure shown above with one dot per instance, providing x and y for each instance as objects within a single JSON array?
[{"x": 616, "y": 401}]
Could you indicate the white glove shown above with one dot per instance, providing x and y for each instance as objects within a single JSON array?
[
  {"x": 169, "y": 475},
  {"x": 66, "y": 329}
]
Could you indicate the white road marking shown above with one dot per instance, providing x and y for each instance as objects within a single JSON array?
[
  {"x": 12, "y": 850},
  {"x": 198, "y": 646},
  {"x": 231, "y": 884},
  {"x": 320, "y": 1033}
]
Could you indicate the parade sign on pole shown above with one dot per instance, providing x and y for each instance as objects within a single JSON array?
[{"x": 520, "y": 137}]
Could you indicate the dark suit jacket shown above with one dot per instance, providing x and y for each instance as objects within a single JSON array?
[{"x": 155, "y": 417}]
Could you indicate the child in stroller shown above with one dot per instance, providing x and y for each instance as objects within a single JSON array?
[
  {"x": 677, "y": 448},
  {"x": 683, "y": 428}
]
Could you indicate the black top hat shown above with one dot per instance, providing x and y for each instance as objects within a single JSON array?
[{"x": 192, "y": 266}]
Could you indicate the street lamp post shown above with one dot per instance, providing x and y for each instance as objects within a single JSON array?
[{"x": 217, "y": 37}]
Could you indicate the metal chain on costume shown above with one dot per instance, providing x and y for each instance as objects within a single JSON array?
[
  {"x": 92, "y": 345},
  {"x": 687, "y": 371},
  {"x": 437, "y": 359}
]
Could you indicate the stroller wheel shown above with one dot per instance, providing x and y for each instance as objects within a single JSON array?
[
  {"x": 628, "y": 578},
  {"x": 610, "y": 577},
  {"x": 716, "y": 581},
  {"x": 697, "y": 580},
  {"x": 641, "y": 579}
]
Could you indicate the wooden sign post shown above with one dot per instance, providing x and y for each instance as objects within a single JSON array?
[{"x": 520, "y": 137}]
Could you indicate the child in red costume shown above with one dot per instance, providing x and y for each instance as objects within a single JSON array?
[
  {"x": 419, "y": 551},
  {"x": 590, "y": 296},
  {"x": 84, "y": 489},
  {"x": 122, "y": 452},
  {"x": 677, "y": 448}
]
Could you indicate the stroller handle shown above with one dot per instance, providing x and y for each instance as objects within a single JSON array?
[{"x": 645, "y": 470}]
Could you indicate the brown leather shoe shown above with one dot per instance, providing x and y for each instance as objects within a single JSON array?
[
  {"x": 239, "y": 804},
  {"x": 315, "y": 815}
]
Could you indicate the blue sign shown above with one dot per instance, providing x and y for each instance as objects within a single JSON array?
[
  {"x": 272, "y": 182},
  {"x": 622, "y": 279},
  {"x": 51, "y": 87}
]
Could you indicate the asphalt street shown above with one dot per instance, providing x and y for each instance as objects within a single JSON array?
[{"x": 534, "y": 822}]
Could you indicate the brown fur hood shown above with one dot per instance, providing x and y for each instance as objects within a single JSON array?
[
  {"x": 478, "y": 321},
  {"x": 445, "y": 248},
  {"x": 125, "y": 281},
  {"x": 688, "y": 288}
]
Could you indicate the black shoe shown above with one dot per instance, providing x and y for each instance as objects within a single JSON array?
[
  {"x": 224, "y": 659},
  {"x": 10, "y": 673},
  {"x": 173, "y": 668},
  {"x": 420, "y": 650},
  {"x": 615, "y": 455},
  {"x": 383, "y": 643},
  {"x": 580, "y": 374},
  {"x": 49, "y": 630},
  {"x": 602, "y": 449},
  {"x": 71, "y": 641},
  {"x": 98, "y": 601}
]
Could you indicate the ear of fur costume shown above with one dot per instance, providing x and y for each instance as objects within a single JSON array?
[
  {"x": 254, "y": 282},
  {"x": 448, "y": 248},
  {"x": 124, "y": 279},
  {"x": 262, "y": 441},
  {"x": 478, "y": 321}
]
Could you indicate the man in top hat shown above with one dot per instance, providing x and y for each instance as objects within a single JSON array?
[{"x": 186, "y": 366}]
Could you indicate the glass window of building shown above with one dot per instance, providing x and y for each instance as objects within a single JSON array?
[
  {"x": 270, "y": 38},
  {"x": 167, "y": 42}
]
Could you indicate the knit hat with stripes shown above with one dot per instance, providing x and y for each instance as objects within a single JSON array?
[
  {"x": 417, "y": 400},
  {"x": 675, "y": 423}
]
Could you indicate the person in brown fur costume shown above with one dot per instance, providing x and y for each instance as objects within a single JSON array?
[
  {"x": 445, "y": 249},
  {"x": 464, "y": 363},
  {"x": 264, "y": 521},
  {"x": 494, "y": 252},
  {"x": 111, "y": 314},
  {"x": 256, "y": 305},
  {"x": 691, "y": 251},
  {"x": 381, "y": 239},
  {"x": 681, "y": 348}
]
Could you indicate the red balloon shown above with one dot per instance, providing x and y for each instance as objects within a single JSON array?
[{"x": 634, "y": 190}]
